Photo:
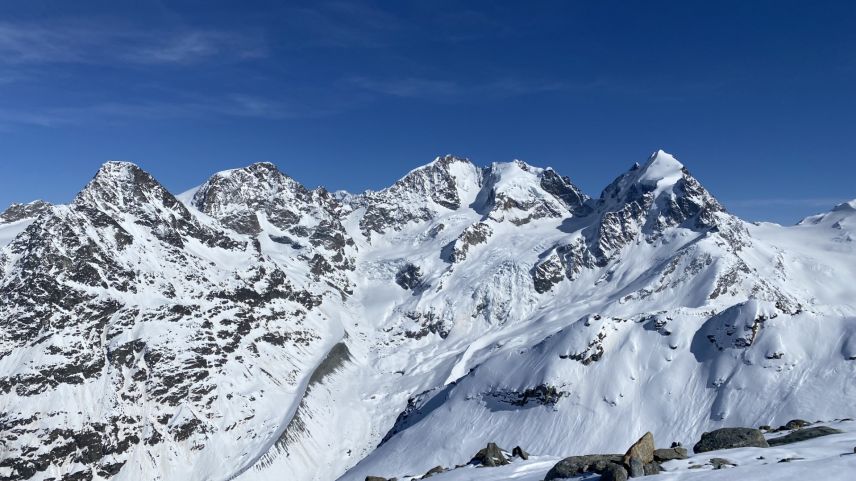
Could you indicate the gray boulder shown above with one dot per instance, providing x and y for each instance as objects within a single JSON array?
[
  {"x": 640, "y": 454},
  {"x": 719, "y": 463},
  {"x": 803, "y": 435},
  {"x": 614, "y": 472},
  {"x": 795, "y": 424},
  {"x": 642, "y": 449},
  {"x": 433, "y": 471},
  {"x": 651, "y": 469},
  {"x": 520, "y": 453},
  {"x": 728, "y": 438},
  {"x": 635, "y": 468},
  {"x": 577, "y": 465},
  {"x": 669, "y": 454},
  {"x": 491, "y": 456}
]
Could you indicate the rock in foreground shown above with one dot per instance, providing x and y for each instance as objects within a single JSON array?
[
  {"x": 729, "y": 438},
  {"x": 803, "y": 435}
]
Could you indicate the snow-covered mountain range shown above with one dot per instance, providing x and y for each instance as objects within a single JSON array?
[{"x": 254, "y": 329}]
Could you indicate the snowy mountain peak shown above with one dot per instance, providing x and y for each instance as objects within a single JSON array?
[
  {"x": 659, "y": 174},
  {"x": 845, "y": 207},
  {"x": 662, "y": 171},
  {"x": 118, "y": 185},
  {"x": 446, "y": 183},
  {"x": 841, "y": 216},
  {"x": 118, "y": 169},
  {"x": 520, "y": 193},
  {"x": 235, "y": 196},
  {"x": 18, "y": 212},
  {"x": 261, "y": 328}
]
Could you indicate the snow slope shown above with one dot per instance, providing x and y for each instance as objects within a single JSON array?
[
  {"x": 830, "y": 457},
  {"x": 252, "y": 328}
]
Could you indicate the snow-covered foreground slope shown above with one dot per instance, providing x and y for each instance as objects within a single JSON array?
[
  {"x": 252, "y": 329},
  {"x": 827, "y": 458}
]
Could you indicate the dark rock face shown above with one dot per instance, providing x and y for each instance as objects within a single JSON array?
[
  {"x": 490, "y": 456},
  {"x": 240, "y": 198},
  {"x": 577, "y": 465},
  {"x": 410, "y": 198},
  {"x": 562, "y": 188},
  {"x": 17, "y": 212},
  {"x": 68, "y": 299},
  {"x": 409, "y": 277},
  {"x": 519, "y": 453},
  {"x": 728, "y": 438},
  {"x": 541, "y": 395},
  {"x": 803, "y": 435},
  {"x": 473, "y": 235}
]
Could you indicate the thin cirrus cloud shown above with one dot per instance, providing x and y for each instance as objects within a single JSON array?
[
  {"x": 452, "y": 89},
  {"x": 234, "y": 105},
  {"x": 787, "y": 202},
  {"x": 89, "y": 44}
]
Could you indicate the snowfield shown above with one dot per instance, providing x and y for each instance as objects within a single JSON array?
[
  {"x": 252, "y": 329},
  {"x": 826, "y": 458}
]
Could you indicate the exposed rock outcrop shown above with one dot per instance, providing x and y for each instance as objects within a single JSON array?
[{"x": 728, "y": 438}]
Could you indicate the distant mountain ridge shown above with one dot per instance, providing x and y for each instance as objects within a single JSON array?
[{"x": 252, "y": 328}]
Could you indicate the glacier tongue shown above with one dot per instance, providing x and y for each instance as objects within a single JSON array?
[{"x": 254, "y": 329}]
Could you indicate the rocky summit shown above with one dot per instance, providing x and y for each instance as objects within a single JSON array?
[{"x": 255, "y": 329}]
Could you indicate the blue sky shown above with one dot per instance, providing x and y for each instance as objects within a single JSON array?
[{"x": 757, "y": 98}]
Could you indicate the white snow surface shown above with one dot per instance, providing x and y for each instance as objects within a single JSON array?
[
  {"x": 825, "y": 458},
  {"x": 684, "y": 328}
]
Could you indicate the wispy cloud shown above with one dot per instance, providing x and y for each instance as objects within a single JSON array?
[
  {"x": 94, "y": 44},
  {"x": 228, "y": 106},
  {"x": 344, "y": 24},
  {"x": 453, "y": 89},
  {"x": 787, "y": 202}
]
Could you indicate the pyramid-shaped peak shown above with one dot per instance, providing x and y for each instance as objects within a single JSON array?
[
  {"x": 118, "y": 169},
  {"x": 661, "y": 171},
  {"x": 119, "y": 184}
]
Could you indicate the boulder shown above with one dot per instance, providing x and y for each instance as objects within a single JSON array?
[
  {"x": 520, "y": 453},
  {"x": 639, "y": 454},
  {"x": 375, "y": 478},
  {"x": 668, "y": 454},
  {"x": 651, "y": 469},
  {"x": 719, "y": 463},
  {"x": 433, "y": 471},
  {"x": 728, "y": 438},
  {"x": 803, "y": 435},
  {"x": 576, "y": 465},
  {"x": 642, "y": 449},
  {"x": 490, "y": 456},
  {"x": 795, "y": 424},
  {"x": 635, "y": 467},
  {"x": 614, "y": 472}
]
